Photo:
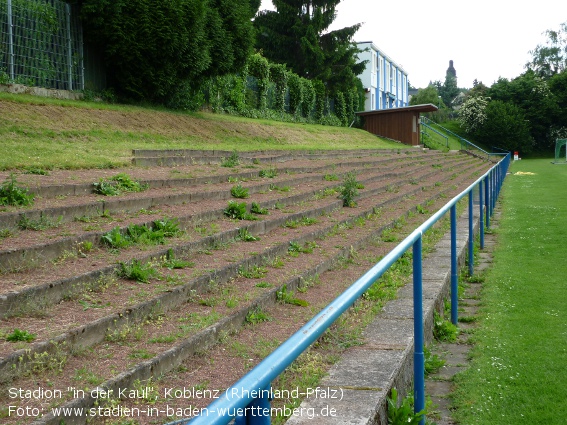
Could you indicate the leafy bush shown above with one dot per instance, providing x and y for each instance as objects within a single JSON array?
[
  {"x": 295, "y": 93},
  {"x": 401, "y": 412},
  {"x": 19, "y": 335},
  {"x": 238, "y": 211},
  {"x": 255, "y": 208},
  {"x": 259, "y": 67},
  {"x": 121, "y": 182},
  {"x": 169, "y": 227},
  {"x": 256, "y": 316},
  {"x": 137, "y": 271},
  {"x": 12, "y": 194},
  {"x": 269, "y": 173},
  {"x": 232, "y": 161},
  {"x": 115, "y": 239},
  {"x": 246, "y": 236},
  {"x": 341, "y": 109},
  {"x": 238, "y": 191},
  {"x": 288, "y": 297},
  {"x": 235, "y": 210},
  {"x": 444, "y": 330},
  {"x": 349, "y": 190},
  {"x": 153, "y": 48}
]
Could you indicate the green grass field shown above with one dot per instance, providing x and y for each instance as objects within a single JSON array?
[{"x": 518, "y": 373}]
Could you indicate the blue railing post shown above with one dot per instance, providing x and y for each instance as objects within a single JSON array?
[
  {"x": 487, "y": 201},
  {"x": 418, "y": 356},
  {"x": 481, "y": 214},
  {"x": 471, "y": 234},
  {"x": 258, "y": 411},
  {"x": 492, "y": 191},
  {"x": 454, "y": 270}
]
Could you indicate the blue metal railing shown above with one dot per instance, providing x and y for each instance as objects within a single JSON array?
[
  {"x": 465, "y": 144},
  {"x": 428, "y": 127},
  {"x": 248, "y": 399}
]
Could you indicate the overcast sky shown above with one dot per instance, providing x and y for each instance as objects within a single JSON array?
[{"x": 486, "y": 39}]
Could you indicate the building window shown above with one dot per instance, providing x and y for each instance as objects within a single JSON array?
[
  {"x": 388, "y": 78},
  {"x": 381, "y": 73}
]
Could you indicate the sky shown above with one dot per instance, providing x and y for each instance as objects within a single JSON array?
[{"x": 485, "y": 39}]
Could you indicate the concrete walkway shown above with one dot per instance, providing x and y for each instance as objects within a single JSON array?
[{"x": 439, "y": 385}]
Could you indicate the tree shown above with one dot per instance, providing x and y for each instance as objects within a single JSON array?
[
  {"x": 449, "y": 90},
  {"x": 531, "y": 93},
  {"x": 472, "y": 113},
  {"x": 551, "y": 58},
  {"x": 478, "y": 89},
  {"x": 297, "y": 35},
  {"x": 153, "y": 48},
  {"x": 505, "y": 127},
  {"x": 430, "y": 94}
]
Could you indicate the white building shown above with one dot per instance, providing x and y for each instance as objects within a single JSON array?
[{"x": 386, "y": 82}]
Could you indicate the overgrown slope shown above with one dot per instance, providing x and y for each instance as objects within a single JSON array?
[{"x": 48, "y": 133}]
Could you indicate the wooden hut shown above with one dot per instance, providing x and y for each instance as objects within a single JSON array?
[{"x": 397, "y": 123}]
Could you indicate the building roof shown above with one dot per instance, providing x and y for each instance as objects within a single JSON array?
[
  {"x": 377, "y": 49},
  {"x": 429, "y": 107}
]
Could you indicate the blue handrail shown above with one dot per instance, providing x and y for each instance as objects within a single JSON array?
[
  {"x": 464, "y": 142},
  {"x": 435, "y": 131},
  {"x": 248, "y": 399}
]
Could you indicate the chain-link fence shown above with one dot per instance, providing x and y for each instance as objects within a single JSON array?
[{"x": 41, "y": 44}]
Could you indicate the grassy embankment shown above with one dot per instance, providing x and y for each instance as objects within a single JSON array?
[
  {"x": 518, "y": 371},
  {"x": 51, "y": 133}
]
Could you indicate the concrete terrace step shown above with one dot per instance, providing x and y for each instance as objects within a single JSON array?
[
  {"x": 89, "y": 334},
  {"x": 48, "y": 251}
]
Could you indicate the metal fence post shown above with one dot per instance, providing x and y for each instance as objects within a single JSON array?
[
  {"x": 418, "y": 356},
  {"x": 471, "y": 234},
  {"x": 10, "y": 42},
  {"x": 69, "y": 48},
  {"x": 454, "y": 270}
]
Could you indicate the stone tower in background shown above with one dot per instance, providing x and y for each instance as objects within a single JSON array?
[{"x": 451, "y": 70}]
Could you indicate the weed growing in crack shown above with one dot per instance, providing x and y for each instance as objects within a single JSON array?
[
  {"x": 19, "y": 335},
  {"x": 256, "y": 316},
  {"x": 246, "y": 236},
  {"x": 238, "y": 211},
  {"x": 253, "y": 272},
  {"x": 349, "y": 190},
  {"x": 401, "y": 411},
  {"x": 255, "y": 208},
  {"x": 232, "y": 161},
  {"x": 121, "y": 182},
  {"x": 42, "y": 223},
  {"x": 443, "y": 329},
  {"x": 295, "y": 248},
  {"x": 432, "y": 361},
  {"x": 331, "y": 177},
  {"x": 169, "y": 261},
  {"x": 268, "y": 173},
  {"x": 288, "y": 297},
  {"x": 12, "y": 194},
  {"x": 238, "y": 191},
  {"x": 137, "y": 271}
]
